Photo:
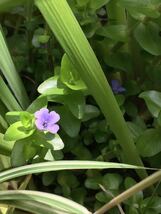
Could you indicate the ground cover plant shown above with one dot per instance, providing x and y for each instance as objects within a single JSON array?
[{"x": 80, "y": 102}]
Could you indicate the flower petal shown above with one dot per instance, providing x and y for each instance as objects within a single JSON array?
[
  {"x": 53, "y": 128},
  {"x": 54, "y": 117},
  {"x": 116, "y": 87},
  {"x": 115, "y": 84},
  {"x": 42, "y": 114},
  {"x": 121, "y": 89},
  {"x": 39, "y": 124}
]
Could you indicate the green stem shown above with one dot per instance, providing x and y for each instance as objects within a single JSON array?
[
  {"x": 147, "y": 182},
  {"x": 67, "y": 30}
]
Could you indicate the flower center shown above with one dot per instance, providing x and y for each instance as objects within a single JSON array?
[{"x": 45, "y": 124}]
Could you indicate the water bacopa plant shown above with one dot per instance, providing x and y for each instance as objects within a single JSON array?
[
  {"x": 66, "y": 51},
  {"x": 46, "y": 121}
]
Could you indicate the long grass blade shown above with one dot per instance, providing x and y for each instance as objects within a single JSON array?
[
  {"x": 3, "y": 111},
  {"x": 3, "y": 122},
  {"x": 64, "y": 25},
  {"x": 7, "y": 97},
  {"x": 61, "y": 165},
  {"x": 54, "y": 201},
  {"x": 9, "y": 71},
  {"x": 33, "y": 207},
  {"x": 4, "y": 162}
]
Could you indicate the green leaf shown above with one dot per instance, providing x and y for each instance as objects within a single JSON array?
[
  {"x": 17, "y": 131},
  {"x": 93, "y": 182},
  {"x": 82, "y": 3},
  {"x": 135, "y": 129},
  {"x": 58, "y": 155},
  {"x": 153, "y": 101},
  {"x": 17, "y": 159},
  {"x": 159, "y": 118},
  {"x": 30, "y": 149},
  {"x": 51, "y": 200},
  {"x": 61, "y": 165},
  {"x": 33, "y": 207},
  {"x": 76, "y": 104},
  {"x": 3, "y": 124},
  {"x": 8, "y": 4},
  {"x": 149, "y": 143},
  {"x": 119, "y": 60},
  {"x": 112, "y": 181},
  {"x": 69, "y": 123},
  {"x": 79, "y": 195},
  {"x": 43, "y": 39},
  {"x": 152, "y": 204},
  {"x": 48, "y": 178},
  {"x": 148, "y": 37},
  {"x": 13, "y": 116},
  {"x": 55, "y": 141},
  {"x": 94, "y": 5},
  {"x": 37, "y": 104},
  {"x": 132, "y": 88},
  {"x": 102, "y": 197},
  {"x": 26, "y": 119},
  {"x": 131, "y": 109},
  {"x": 146, "y": 7},
  {"x": 114, "y": 32},
  {"x": 5, "y": 146},
  {"x": 7, "y": 97},
  {"x": 9, "y": 71},
  {"x": 120, "y": 99},
  {"x": 51, "y": 87},
  {"x": 69, "y": 76},
  {"x": 90, "y": 112},
  {"x": 67, "y": 179},
  {"x": 49, "y": 156},
  {"x": 137, "y": 197},
  {"x": 82, "y": 152}
]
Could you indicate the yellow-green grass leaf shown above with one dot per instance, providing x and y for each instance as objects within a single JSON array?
[
  {"x": 7, "y": 97},
  {"x": 9, "y": 71},
  {"x": 61, "y": 165},
  {"x": 54, "y": 201}
]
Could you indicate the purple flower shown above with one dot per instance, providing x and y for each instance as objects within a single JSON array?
[
  {"x": 46, "y": 121},
  {"x": 116, "y": 87}
]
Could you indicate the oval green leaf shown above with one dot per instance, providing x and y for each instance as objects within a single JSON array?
[
  {"x": 16, "y": 132},
  {"x": 148, "y": 37},
  {"x": 149, "y": 143}
]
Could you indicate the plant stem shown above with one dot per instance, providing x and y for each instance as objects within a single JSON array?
[
  {"x": 147, "y": 182},
  {"x": 67, "y": 30}
]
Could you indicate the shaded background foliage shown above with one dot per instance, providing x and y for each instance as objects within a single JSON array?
[{"x": 128, "y": 48}]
